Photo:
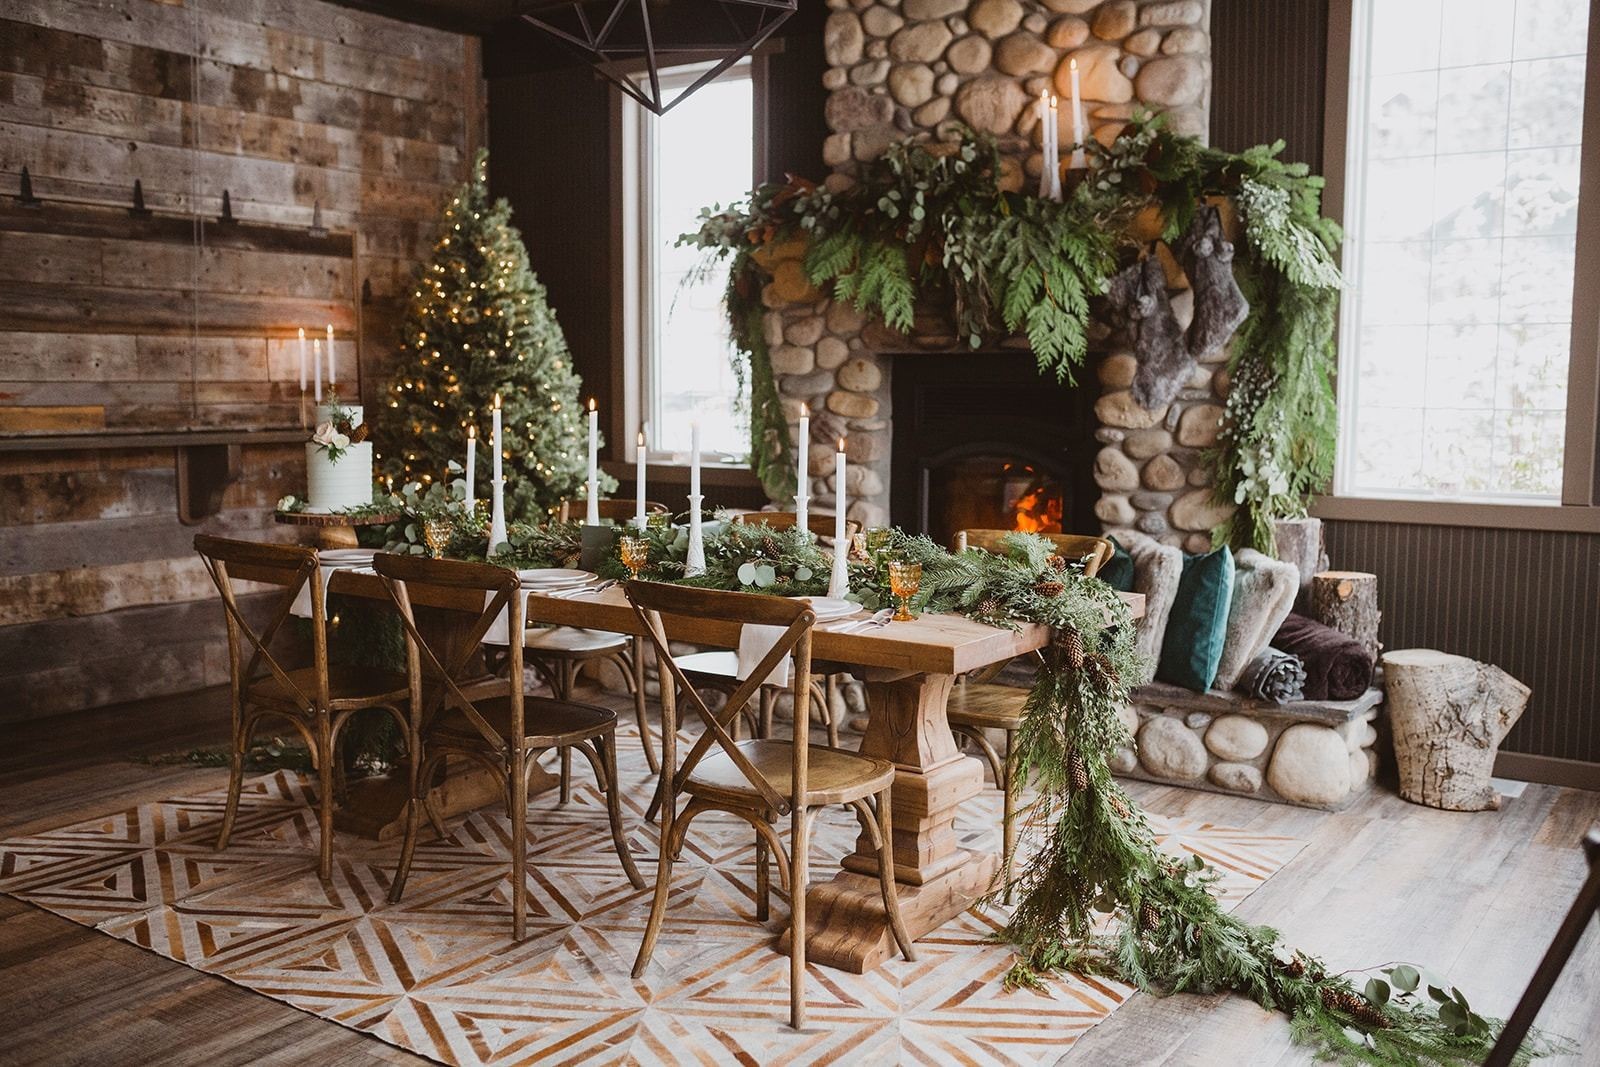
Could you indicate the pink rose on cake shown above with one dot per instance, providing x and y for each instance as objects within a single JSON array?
[{"x": 328, "y": 438}]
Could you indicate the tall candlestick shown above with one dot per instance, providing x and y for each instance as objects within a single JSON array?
[
  {"x": 330, "y": 354},
  {"x": 316, "y": 363},
  {"x": 472, "y": 465},
  {"x": 302, "y": 359},
  {"x": 802, "y": 478},
  {"x": 694, "y": 561},
  {"x": 639, "y": 518},
  {"x": 839, "y": 578},
  {"x": 1055, "y": 148},
  {"x": 497, "y": 520},
  {"x": 1044, "y": 143},
  {"x": 592, "y": 515},
  {"x": 1077, "y": 120}
]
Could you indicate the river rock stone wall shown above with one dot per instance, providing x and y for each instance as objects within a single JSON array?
[{"x": 917, "y": 68}]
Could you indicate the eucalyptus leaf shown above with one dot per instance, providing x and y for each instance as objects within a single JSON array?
[
  {"x": 1404, "y": 976},
  {"x": 1377, "y": 991},
  {"x": 765, "y": 576},
  {"x": 747, "y": 573}
]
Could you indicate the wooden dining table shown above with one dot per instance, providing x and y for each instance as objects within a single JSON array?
[{"x": 909, "y": 669}]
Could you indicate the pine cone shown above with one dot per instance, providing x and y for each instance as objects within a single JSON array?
[
  {"x": 1079, "y": 771},
  {"x": 769, "y": 547},
  {"x": 359, "y": 434},
  {"x": 1355, "y": 1006},
  {"x": 1119, "y": 805},
  {"x": 1149, "y": 916},
  {"x": 1049, "y": 588},
  {"x": 1295, "y": 967},
  {"x": 1071, "y": 644},
  {"x": 1057, "y": 563},
  {"x": 989, "y": 606},
  {"x": 1100, "y": 666}
]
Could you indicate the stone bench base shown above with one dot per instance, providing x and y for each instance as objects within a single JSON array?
[{"x": 1313, "y": 753}]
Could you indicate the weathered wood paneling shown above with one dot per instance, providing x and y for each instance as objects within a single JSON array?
[{"x": 112, "y": 323}]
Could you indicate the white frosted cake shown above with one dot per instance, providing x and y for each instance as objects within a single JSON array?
[{"x": 333, "y": 485}]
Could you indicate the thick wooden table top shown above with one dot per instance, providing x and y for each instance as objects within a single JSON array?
[{"x": 932, "y": 644}]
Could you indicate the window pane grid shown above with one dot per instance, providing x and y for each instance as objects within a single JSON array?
[{"x": 1464, "y": 181}]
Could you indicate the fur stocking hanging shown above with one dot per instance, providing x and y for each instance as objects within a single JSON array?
[
  {"x": 1137, "y": 299},
  {"x": 1219, "y": 306}
]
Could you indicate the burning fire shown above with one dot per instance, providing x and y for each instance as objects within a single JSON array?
[{"x": 1039, "y": 508}]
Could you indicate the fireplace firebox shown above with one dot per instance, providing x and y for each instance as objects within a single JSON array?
[{"x": 982, "y": 440}]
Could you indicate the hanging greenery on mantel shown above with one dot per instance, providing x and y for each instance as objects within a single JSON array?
[{"x": 935, "y": 222}]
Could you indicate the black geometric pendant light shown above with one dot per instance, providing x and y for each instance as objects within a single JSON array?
[{"x": 608, "y": 33}]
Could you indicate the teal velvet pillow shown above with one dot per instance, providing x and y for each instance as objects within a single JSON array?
[
  {"x": 1117, "y": 572},
  {"x": 1198, "y": 625}
]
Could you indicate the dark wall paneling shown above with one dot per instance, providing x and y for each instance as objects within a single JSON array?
[
  {"x": 1269, "y": 59},
  {"x": 1522, "y": 599}
]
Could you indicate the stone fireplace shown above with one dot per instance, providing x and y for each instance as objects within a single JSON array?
[{"x": 919, "y": 68}]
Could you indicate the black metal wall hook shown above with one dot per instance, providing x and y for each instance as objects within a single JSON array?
[
  {"x": 25, "y": 195},
  {"x": 227, "y": 218},
  {"x": 138, "y": 210}
]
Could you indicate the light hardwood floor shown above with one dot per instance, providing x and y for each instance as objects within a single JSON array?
[{"x": 1475, "y": 897}]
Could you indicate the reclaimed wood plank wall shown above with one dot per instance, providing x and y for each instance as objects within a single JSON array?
[{"x": 111, "y": 324}]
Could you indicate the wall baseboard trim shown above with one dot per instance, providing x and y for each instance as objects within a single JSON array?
[{"x": 1548, "y": 770}]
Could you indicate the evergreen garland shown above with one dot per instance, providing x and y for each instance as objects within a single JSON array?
[
  {"x": 933, "y": 222},
  {"x": 479, "y": 324}
]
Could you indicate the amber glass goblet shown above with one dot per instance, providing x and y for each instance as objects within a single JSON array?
[
  {"x": 635, "y": 553},
  {"x": 436, "y": 533},
  {"x": 904, "y": 581}
]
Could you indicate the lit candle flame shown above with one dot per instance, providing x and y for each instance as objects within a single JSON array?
[
  {"x": 805, "y": 410},
  {"x": 302, "y": 333},
  {"x": 472, "y": 433},
  {"x": 641, "y": 438},
  {"x": 841, "y": 444},
  {"x": 591, "y": 403},
  {"x": 1072, "y": 64},
  {"x": 497, "y": 401}
]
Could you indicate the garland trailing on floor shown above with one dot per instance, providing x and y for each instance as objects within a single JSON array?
[
  {"x": 1097, "y": 896},
  {"x": 933, "y": 221}
]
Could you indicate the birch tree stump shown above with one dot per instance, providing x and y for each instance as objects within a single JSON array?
[
  {"x": 1449, "y": 715},
  {"x": 1299, "y": 541},
  {"x": 1347, "y": 601}
]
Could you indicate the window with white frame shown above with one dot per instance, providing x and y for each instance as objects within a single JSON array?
[
  {"x": 1461, "y": 208},
  {"x": 701, "y": 152}
]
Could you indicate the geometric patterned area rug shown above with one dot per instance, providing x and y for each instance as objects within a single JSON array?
[{"x": 439, "y": 975}]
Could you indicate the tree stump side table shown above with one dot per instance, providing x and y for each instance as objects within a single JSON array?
[{"x": 335, "y": 529}]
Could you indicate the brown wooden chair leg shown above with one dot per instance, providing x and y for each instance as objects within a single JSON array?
[
  {"x": 1008, "y": 816},
  {"x": 763, "y": 880},
  {"x": 828, "y": 693},
  {"x": 608, "y": 756},
  {"x": 325, "y": 801},
  {"x": 408, "y": 846},
  {"x": 635, "y": 664},
  {"x": 235, "y": 784},
  {"x": 891, "y": 896},
  {"x": 799, "y": 862},
  {"x": 764, "y": 704},
  {"x": 518, "y": 786},
  {"x": 566, "y": 777},
  {"x": 658, "y": 903}
]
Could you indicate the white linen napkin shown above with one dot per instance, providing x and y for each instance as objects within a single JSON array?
[
  {"x": 302, "y": 600},
  {"x": 498, "y": 631},
  {"x": 754, "y": 644}
]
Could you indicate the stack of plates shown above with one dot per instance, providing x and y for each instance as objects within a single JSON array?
[
  {"x": 346, "y": 557},
  {"x": 828, "y": 608},
  {"x": 555, "y": 579}
]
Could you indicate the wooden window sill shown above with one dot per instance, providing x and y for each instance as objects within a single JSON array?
[
  {"x": 722, "y": 474},
  {"x": 1555, "y": 517}
]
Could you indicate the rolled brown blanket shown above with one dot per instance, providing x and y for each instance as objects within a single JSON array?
[{"x": 1337, "y": 668}]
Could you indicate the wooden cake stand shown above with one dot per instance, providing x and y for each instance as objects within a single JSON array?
[{"x": 335, "y": 530}]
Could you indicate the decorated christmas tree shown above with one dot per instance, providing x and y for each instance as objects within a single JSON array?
[{"x": 479, "y": 324}]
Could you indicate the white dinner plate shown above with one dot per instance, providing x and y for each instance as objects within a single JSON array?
[
  {"x": 829, "y": 608},
  {"x": 554, "y": 577},
  {"x": 355, "y": 557}
]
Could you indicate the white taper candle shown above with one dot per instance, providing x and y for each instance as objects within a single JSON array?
[
  {"x": 1078, "y": 159},
  {"x": 497, "y": 520},
  {"x": 331, "y": 379},
  {"x": 302, "y": 359},
  {"x": 316, "y": 366},
  {"x": 472, "y": 465},
  {"x": 592, "y": 513},
  {"x": 839, "y": 578},
  {"x": 640, "y": 519},
  {"x": 802, "y": 477}
]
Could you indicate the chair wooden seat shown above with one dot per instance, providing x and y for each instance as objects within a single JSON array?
[
  {"x": 986, "y": 706},
  {"x": 572, "y": 639},
  {"x": 349, "y": 686},
  {"x": 546, "y": 724},
  {"x": 834, "y": 775}
]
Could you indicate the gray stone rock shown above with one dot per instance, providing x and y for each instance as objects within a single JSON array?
[
  {"x": 1022, "y": 54},
  {"x": 844, "y": 319},
  {"x": 1114, "y": 471},
  {"x": 854, "y": 108},
  {"x": 1114, "y": 511},
  {"x": 921, "y": 42},
  {"x": 870, "y": 73},
  {"x": 870, "y": 144},
  {"x": 990, "y": 104},
  {"x": 804, "y": 331},
  {"x": 860, "y": 375},
  {"x": 835, "y": 78},
  {"x": 1186, "y": 40},
  {"x": 1117, "y": 370},
  {"x": 1197, "y": 543},
  {"x": 1115, "y": 19},
  {"x": 1034, "y": 22},
  {"x": 1128, "y": 715},
  {"x": 1197, "y": 720},
  {"x": 911, "y": 84},
  {"x": 806, "y": 385},
  {"x": 995, "y": 18},
  {"x": 1196, "y": 511},
  {"x": 970, "y": 55},
  {"x": 791, "y": 359},
  {"x": 1145, "y": 501},
  {"x": 1142, "y": 444},
  {"x": 1236, "y": 737},
  {"x": 933, "y": 9},
  {"x": 947, "y": 84},
  {"x": 1144, "y": 44},
  {"x": 1175, "y": 13},
  {"x": 1071, "y": 7},
  {"x": 1171, "y": 81},
  {"x": 831, "y": 353},
  {"x": 836, "y": 149},
  {"x": 1098, "y": 76},
  {"x": 933, "y": 112},
  {"x": 1152, "y": 523},
  {"x": 1169, "y": 749},
  {"x": 842, "y": 39},
  {"x": 877, "y": 48},
  {"x": 1067, "y": 32},
  {"x": 1189, "y": 121},
  {"x": 1235, "y": 777},
  {"x": 1162, "y": 473},
  {"x": 881, "y": 21},
  {"x": 1129, "y": 65},
  {"x": 1119, "y": 409},
  {"x": 772, "y": 328},
  {"x": 1123, "y": 761},
  {"x": 1310, "y": 765},
  {"x": 1199, "y": 425}
]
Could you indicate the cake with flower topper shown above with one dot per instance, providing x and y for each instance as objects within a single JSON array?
[{"x": 338, "y": 459}]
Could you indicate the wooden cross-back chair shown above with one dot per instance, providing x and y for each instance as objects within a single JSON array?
[
  {"x": 977, "y": 705},
  {"x": 763, "y": 779},
  {"x": 458, "y": 710},
  {"x": 317, "y": 700},
  {"x": 559, "y": 653}
]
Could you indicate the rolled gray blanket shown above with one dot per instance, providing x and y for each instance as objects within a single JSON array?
[{"x": 1275, "y": 677}]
